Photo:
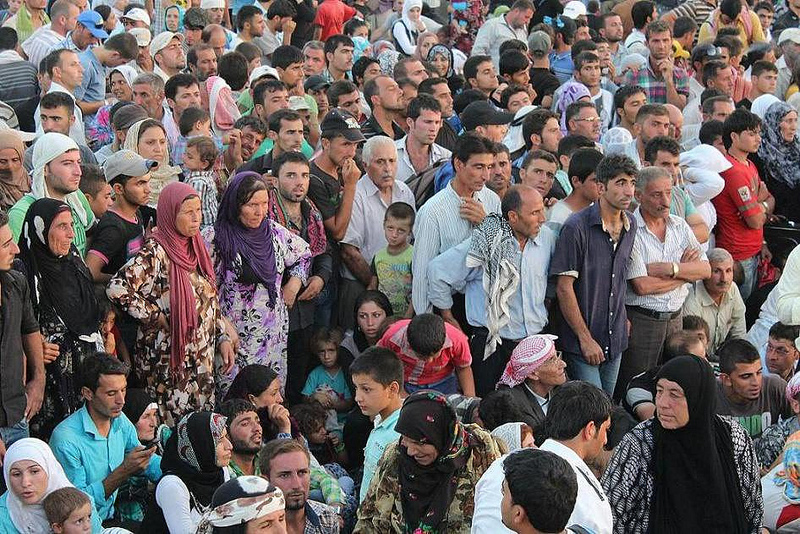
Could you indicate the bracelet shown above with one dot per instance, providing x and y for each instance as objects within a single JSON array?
[{"x": 222, "y": 339}]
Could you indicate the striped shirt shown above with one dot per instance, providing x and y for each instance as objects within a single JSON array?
[
  {"x": 19, "y": 87},
  {"x": 37, "y": 46},
  {"x": 439, "y": 227},
  {"x": 648, "y": 248},
  {"x": 699, "y": 10}
]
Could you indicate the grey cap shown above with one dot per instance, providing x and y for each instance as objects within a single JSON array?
[
  {"x": 539, "y": 43},
  {"x": 128, "y": 115},
  {"x": 126, "y": 163},
  {"x": 196, "y": 18}
]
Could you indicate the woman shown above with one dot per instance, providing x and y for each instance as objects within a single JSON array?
[
  {"x": 31, "y": 473},
  {"x": 441, "y": 57},
  {"x": 251, "y": 255},
  {"x": 14, "y": 179},
  {"x": 193, "y": 464},
  {"x": 260, "y": 385},
  {"x": 372, "y": 308},
  {"x": 762, "y": 103},
  {"x": 515, "y": 435},
  {"x": 248, "y": 504},
  {"x": 778, "y": 159},
  {"x": 148, "y": 138},
  {"x": 65, "y": 304},
  {"x": 686, "y": 466},
  {"x": 169, "y": 286},
  {"x": 425, "y": 482},
  {"x": 425, "y": 41},
  {"x": 406, "y": 30},
  {"x": 99, "y": 129},
  {"x": 173, "y": 19}
]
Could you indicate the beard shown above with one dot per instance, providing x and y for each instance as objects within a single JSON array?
[{"x": 243, "y": 447}]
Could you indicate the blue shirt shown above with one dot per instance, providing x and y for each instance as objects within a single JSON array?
[
  {"x": 381, "y": 436},
  {"x": 88, "y": 458},
  {"x": 562, "y": 66},
  {"x": 93, "y": 86},
  {"x": 8, "y": 527}
]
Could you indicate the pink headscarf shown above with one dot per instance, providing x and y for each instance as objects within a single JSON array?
[
  {"x": 531, "y": 353},
  {"x": 186, "y": 254}
]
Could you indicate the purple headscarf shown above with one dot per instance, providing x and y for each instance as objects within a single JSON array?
[
  {"x": 572, "y": 92},
  {"x": 254, "y": 245}
]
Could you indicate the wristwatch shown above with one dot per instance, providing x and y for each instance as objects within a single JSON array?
[{"x": 675, "y": 269}]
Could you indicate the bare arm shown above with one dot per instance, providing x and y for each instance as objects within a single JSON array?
[
  {"x": 649, "y": 285},
  {"x": 356, "y": 263},
  {"x": 95, "y": 265},
  {"x": 698, "y": 226},
  {"x": 90, "y": 108},
  {"x": 466, "y": 381},
  {"x": 568, "y": 303}
]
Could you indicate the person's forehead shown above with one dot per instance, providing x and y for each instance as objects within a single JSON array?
[
  {"x": 290, "y": 461},
  {"x": 294, "y": 167},
  {"x": 588, "y": 110},
  {"x": 666, "y": 156},
  {"x": 781, "y": 341},
  {"x": 669, "y": 385},
  {"x": 244, "y": 416},
  {"x": 383, "y": 152},
  {"x": 542, "y": 163}
]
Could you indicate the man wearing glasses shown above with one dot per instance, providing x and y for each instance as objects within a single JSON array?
[{"x": 582, "y": 119}]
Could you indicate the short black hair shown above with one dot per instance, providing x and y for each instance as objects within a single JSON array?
[
  {"x": 789, "y": 332},
  {"x": 267, "y": 86},
  {"x": 658, "y": 144},
  {"x": 712, "y": 68},
  {"x": 574, "y": 405},
  {"x": 191, "y": 54},
  {"x": 625, "y": 92},
  {"x": 512, "y": 44},
  {"x": 354, "y": 24},
  {"x": 232, "y": 67},
  {"x": 182, "y": 79},
  {"x": 309, "y": 415},
  {"x": 579, "y": 47},
  {"x": 538, "y": 154},
  {"x": 123, "y": 44},
  {"x": 737, "y": 122},
  {"x": 233, "y": 407},
  {"x": 511, "y": 201},
  {"x": 420, "y": 103},
  {"x": 380, "y": 364},
  {"x": 360, "y": 67},
  {"x": 710, "y": 131},
  {"x": 335, "y": 41},
  {"x": 191, "y": 116},
  {"x": 735, "y": 351},
  {"x": 730, "y": 8},
  {"x": 682, "y": 26},
  {"x": 709, "y": 104},
  {"x": 92, "y": 179},
  {"x": 426, "y": 86},
  {"x": 534, "y": 123},
  {"x": 513, "y": 62},
  {"x": 251, "y": 121},
  {"x": 565, "y": 27},
  {"x": 679, "y": 343},
  {"x": 574, "y": 109},
  {"x": 761, "y": 66},
  {"x": 97, "y": 364},
  {"x": 286, "y": 55},
  {"x": 731, "y": 42},
  {"x": 510, "y": 91},
  {"x": 338, "y": 89},
  {"x": 465, "y": 98},
  {"x": 54, "y": 58},
  {"x": 569, "y": 144},
  {"x": 287, "y": 157},
  {"x": 401, "y": 211},
  {"x": 57, "y": 99},
  {"x": 282, "y": 9},
  {"x": 756, "y": 52},
  {"x": 501, "y": 406},
  {"x": 585, "y": 57},
  {"x": 246, "y": 14},
  {"x": 641, "y": 12},
  {"x": 471, "y": 65},
  {"x": 426, "y": 334},
  {"x": 469, "y": 144},
  {"x": 277, "y": 118},
  {"x": 583, "y": 163},
  {"x": 764, "y": 5},
  {"x": 695, "y": 322},
  {"x": 544, "y": 485},
  {"x": 248, "y": 50},
  {"x": 8, "y": 38},
  {"x": 612, "y": 166}
]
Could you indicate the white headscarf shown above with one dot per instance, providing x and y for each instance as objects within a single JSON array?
[
  {"x": 162, "y": 175},
  {"x": 47, "y": 148},
  {"x": 30, "y": 518},
  {"x": 511, "y": 433},
  {"x": 762, "y": 103},
  {"x": 513, "y": 139},
  {"x": 128, "y": 72},
  {"x": 410, "y": 24}
]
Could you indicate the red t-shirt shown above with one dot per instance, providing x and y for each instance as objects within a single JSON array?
[
  {"x": 739, "y": 199},
  {"x": 331, "y": 16},
  {"x": 455, "y": 353}
]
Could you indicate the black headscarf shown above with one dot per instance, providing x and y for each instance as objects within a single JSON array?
[
  {"x": 136, "y": 402},
  {"x": 63, "y": 283},
  {"x": 696, "y": 481},
  {"x": 381, "y": 301},
  {"x": 426, "y": 492}
]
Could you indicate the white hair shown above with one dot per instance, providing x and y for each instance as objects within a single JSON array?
[
  {"x": 374, "y": 143},
  {"x": 718, "y": 255}
]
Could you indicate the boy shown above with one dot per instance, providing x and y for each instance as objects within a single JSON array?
[
  {"x": 378, "y": 377},
  {"x": 198, "y": 160},
  {"x": 97, "y": 191},
  {"x": 69, "y": 511},
  {"x": 435, "y": 354},
  {"x": 391, "y": 265},
  {"x": 764, "y": 79},
  {"x": 194, "y": 122},
  {"x": 326, "y": 384}
]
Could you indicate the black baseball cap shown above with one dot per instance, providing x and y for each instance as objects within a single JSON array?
[
  {"x": 341, "y": 122},
  {"x": 483, "y": 113},
  {"x": 316, "y": 83}
]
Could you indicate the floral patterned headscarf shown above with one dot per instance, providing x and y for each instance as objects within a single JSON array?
[{"x": 789, "y": 476}]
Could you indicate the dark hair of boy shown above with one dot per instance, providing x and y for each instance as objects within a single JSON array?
[
  {"x": 92, "y": 179},
  {"x": 471, "y": 65},
  {"x": 206, "y": 150},
  {"x": 58, "y": 99},
  {"x": 574, "y": 405},
  {"x": 534, "y": 123},
  {"x": 285, "y": 56},
  {"x": 680, "y": 343},
  {"x": 380, "y": 364},
  {"x": 584, "y": 58},
  {"x": 737, "y": 122},
  {"x": 512, "y": 44},
  {"x": 309, "y": 415},
  {"x": 682, "y": 26},
  {"x": 764, "y": 6},
  {"x": 420, "y": 103},
  {"x": 189, "y": 119},
  {"x": 267, "y": 86},
  {"x": 510, "y": 91},
  {"x": 360, "y": 68},
  {"x": 695, "y": 323},
  {"x": 735, "y": 351},
  {"x": 658, "y": 144},
  {"x": 61, "y": 503},
  {"x": 513, "y": 62},
  {"x": 426, "y": 335},
  {"x": 580, "y": 47},
  {"x": 761, "y": 66},
  {"x": 182, "y": 79},
  {"x": 711, "y": 131},
  {"x": 281, "y": 115},
  {"x": 501, "y": 406},
  {"x": 335, "y": 41},
  {"x": 569, "y": 144},
  {"x": 786, "y": 332},
  {"x": 583, "y": 163},
  {"x": 400, "y": 211},
  {"x": 252, "y": 122},
  {"x": 731, "y": 8},
  {"x": 338, "y": 89},
  {"x": 232, "y": 67},
  {"x": 287, "y": 157},
  {"x": 624, "y": 93},
  {"x": 640, "y": 13},
  {"x": 324, "y": 336},
  {"x": 98, "y": 364},
  {"x": 612, "y": 166}
]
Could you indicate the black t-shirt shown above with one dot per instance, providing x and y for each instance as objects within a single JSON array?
[
  {"x": 325, "y": 191},
  {"x": 116, "y": 240},
  {"x": 544, "y": 83}
]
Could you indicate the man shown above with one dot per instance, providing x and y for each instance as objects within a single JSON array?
[
  {"x": 627, "y": 102},
  {"x": 215, "y": 10},
  {"x": 135, "y": 18},
  {"x": 486, "y": 120},
  {"x": 272, "y": 96},
  {"x": 417, "y": 150},
  {"x": 702, "y": 54},
  {"x": 543, "y": 81},
  {"x": 56, "y": 115},
  {"x": 365, "y": 235},
  {"x": 115, "y": 51},
  {"x": 168, "y": 55},
  {"x": 385, "y": 98},
  {"x": 518, "y": 288},
  {"x": 589, "y": 73},
  {"x": 789, "y": 43},
  {"x": 666, "y": 255},
  {"x": 56, "y": 174},
  {"x": 539, "y": 171},
  {"x": 278, "y": 21},
  {"x": 596, "y": 241},
  {"x": 718, "y": 75},
  {"x": 249, "y": 25},
  {"x": 66, "y": 74},
  {"x": 789, "y": 19},
  {"x": 540, "y": 131},
  {"x": 19, "y": 87},
  {"x": 663, "y": 81},
  {"x": 448, "y": 217},
  {"x": 244, "y": 431},
  {"x": 216, "y": 36},
  {"x": 33, "y": 13},
  {"x": 500, "y": 180},
  {"x": 480, "y": 74},
  {"x": 642, "y": 14},
  {"x": 314, "y": 58},
  {"x": 652, "y": 120},
  {"x": 612, "y": 29},
  {"x": 87, "y": 32},
  {"x": 144, "y": 61},
  {"x": 181, "y": 92},
  {"x": 764, "y": 79},
  {"x": 781, "y": 352},
  {"x": 285, "y": 130},
  {"x": 344, "y": 94},
  {"x": 254, "y": 132},
  {"x": 497, "y": 30},
  {"x": 754, "y": 400},
  {"x": 21, "y": 347},
  {"x": 63, "y": 17},
  {"x": 98, "y": 449},
  {"x": 582, "y": 119},
  {"x": 120, "y": 233},
  {"x": 258, "y": 504},
  {"x": 717, "y": 301},
  {"x": 339, "y": 58},
  {"x": 285, "y": 462},
  {"x": 148, "y": 92},
  {"x": 202, "y": 61},
  {"x": 194, "y": 20},
  {"x": 585, "y": 188}
]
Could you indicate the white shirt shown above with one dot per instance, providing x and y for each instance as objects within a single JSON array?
[
  {"x": 172, "y": 496},
  {"x": 488, "y": 495},
  {"x": 405, "y": 169},
  {"x": 39, "y": 43},
  {"x": 494, "y": 33}
]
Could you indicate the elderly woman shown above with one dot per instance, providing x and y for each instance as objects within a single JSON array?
[
  {"x": 778, "y": 159},
  {"x": 246, "y": 505},
  {"x": 14, "y": 179},
  {"x": 425, "y": 482},
  {"x": 251, "y": 256},
  {"x": 32, "y": 473},
  {"x": 406, "y": 30},
  {"x": 148, "y": 138},
  {"x": 170, "y": 288},
  {"x": 687, "y": 465},
  {"x": 98, "y": 129},
  {"x": 66, "y": 308}
]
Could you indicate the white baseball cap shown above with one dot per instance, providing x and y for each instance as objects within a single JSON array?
[
  {"x": 574, "y": 9},
  {"x": 161, "y": 41},
  {"x": 211, "y": 4},
  {"x": 790, "y": 34},
  {"x": 139, "y": 14},
  {"x": 263, "y": 71},
  {"x": 142, "y": 35}
]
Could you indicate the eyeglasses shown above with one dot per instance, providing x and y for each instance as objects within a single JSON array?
[
  {"x": 780, "y": 351},
  {"x": 587, "y": 119}
]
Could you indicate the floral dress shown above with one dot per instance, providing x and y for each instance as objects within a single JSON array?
[
  {"x": 141, "y": 288},
  {"x": 263, "y": 328}
]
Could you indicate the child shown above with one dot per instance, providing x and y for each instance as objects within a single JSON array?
[
  {"x": 68, "y": 511},
  {"x": 378, "y": 378},
  {"x": 199, "y": 158},
  {"x": 194, "y": 122},
  {"x": 311, "y": 418},
  {"x": 391, "y": 265},
  {"x": 326, "y": 383},
  {"x": 112, "y": 338},
  {"x": 97, "y": 191}
]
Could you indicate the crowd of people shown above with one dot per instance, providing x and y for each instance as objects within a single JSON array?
[{"x": 316, "y": 266}]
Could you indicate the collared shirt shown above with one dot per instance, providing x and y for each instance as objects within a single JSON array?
[
  {"x": 371, "y": 127},
  {"x": 160, "y": 72},
  {"x": 492, "y": 34},
  {"x": 405, "y": 169},
  {"x": 320, "y": 519},
  {"x": 724, "y": 321},
  {"x": 93, "y": 86},
  {"x": 365, "y": 231},
  {"x": 695, "y": 92},
  {"x": 88, "y": 457},
  {"x": 654, "y": 84},
  {"x": 438, "y": 227},
  {"x": 170, "y": 125},
  {"x": 648, "y": 248},
  {"x": 448, "y": 273},
  {"x": 236, "y": 471},
  {"x": 562, "y": 65},
  {"x": 636, "y": 43},
  {"x": 379, "y": 438},
  {"x": 37, "y": 46},
  {"x": 65, "y": 44},
  {"x": 587, "y": 252},
  {"x": 76, "y": 131}
]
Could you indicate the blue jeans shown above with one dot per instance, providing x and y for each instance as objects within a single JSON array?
[
  {"x": 10, "y": 434},
  {"x": 750, "y": 268},
  {"x": 325, "y": 303},
  {"x": 603, "y": 376},
  {"x": 448, "y": 386}
]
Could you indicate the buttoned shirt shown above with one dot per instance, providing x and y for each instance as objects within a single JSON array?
[
  {"x": 88, "y": 457},
  {"x": 160, "y": 72},
  {"x": 494, "y": 33},
  {"x": 320, "y": 519},
  {"x": 365, "y": 231},
  {"x": 648, "y": 248},
  {"x": 37, "y": 46},
  {"x": 65, "y": 44},
  {"x": 654, "y": 84},
  {"x": 448, "y": 273},
  {"x": 438, "y": 227},
  {"x": 381, "y": 436},
  {"x": 405, "y": 169},
  {"x": 725, "y": 320}
]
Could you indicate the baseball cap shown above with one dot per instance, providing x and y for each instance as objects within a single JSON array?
[
  {"x": 142, "y": 35},
  {"x": 539, "y": 42},
  {"x": 139, "y": 14},
  {"x": 316, "y": 83},
  {"x": 704, "y": 51},
  {"x": 339, "y": 121},
  {"x": 127, "y": 163},
  {"x": 92, "y": 21},
  {"x": 262, "y": 72},
  {"x": 790, "y": 34},
  {"x": 483, "y": 113},
  {"x": 297, "y": 103},
  {"x": 127, "y": 116},
  {"x": 211, "y": 4},
  {"x": 574, "y": 9},
  {"x": 161, "y": 41}
]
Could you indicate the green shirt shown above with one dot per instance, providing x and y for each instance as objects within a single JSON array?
[
  {"x": 17, "y": 212},
  {"x": 267, "y": 144}
]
